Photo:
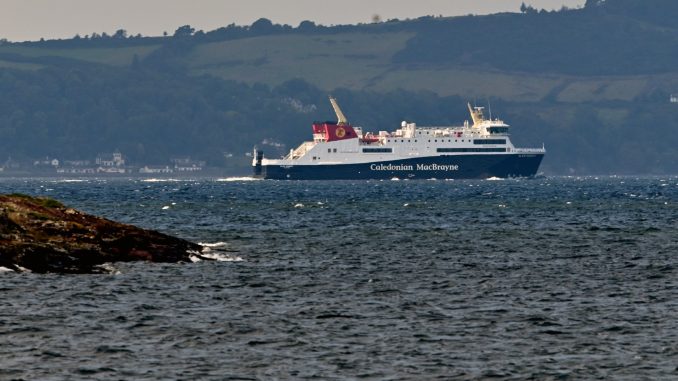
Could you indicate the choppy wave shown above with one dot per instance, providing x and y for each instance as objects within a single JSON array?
[
  {"x": 213, "y": 245},
  {"x": 70, "y": 181},
  {"x": 160, "y": 180},
  {"x": 409, "y": 280},
  {"x": 217, "y": 251},
  {"x": 220, "y": 257}
]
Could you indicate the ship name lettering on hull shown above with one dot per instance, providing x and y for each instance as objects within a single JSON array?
[{"x": 419, "y": 167}]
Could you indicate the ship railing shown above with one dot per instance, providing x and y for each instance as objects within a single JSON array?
[
  {"x": 301, "y": 150},
  {"x": 442, "y": 131},
  {"x": 529, "y": 150},
  {"x": 440, "y": 128}
]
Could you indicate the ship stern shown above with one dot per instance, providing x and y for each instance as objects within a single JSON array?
[{"x": 258, "y": 156}]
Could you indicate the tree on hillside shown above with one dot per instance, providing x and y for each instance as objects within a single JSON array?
[
  {"x": 120, "y": 33},
  {"x": 262, "y": 26},
  {"x": 184, "y": 31},
  {"x": 527, "y": 8},
  {"x": 306, "y": 26}
]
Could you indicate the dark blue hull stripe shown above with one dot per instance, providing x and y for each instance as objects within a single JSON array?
[{"x": 439, "y": 167}]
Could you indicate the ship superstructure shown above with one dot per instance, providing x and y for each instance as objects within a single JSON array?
[{"x": 480, "y": 149}]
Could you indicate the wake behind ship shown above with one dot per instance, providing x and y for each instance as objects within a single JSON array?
[{"x": 340, "y": 151}]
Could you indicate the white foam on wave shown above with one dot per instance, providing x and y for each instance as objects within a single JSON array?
[
  {"x": 219, "y": 257},
  {"x": 5, "y": 270},
  {"x": 245, "y": 178},
  {"x": 494, "y": 179},
  {"x": 154, "y": 180},
  {"x": 109, "y": 268},
  {"x": 70, "y": 181},
  {"x": 215, "y": 244},
  {"x": 215, "y": 251}
]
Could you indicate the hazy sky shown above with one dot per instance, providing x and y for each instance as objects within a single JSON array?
[{"x": 32, "y": 19}]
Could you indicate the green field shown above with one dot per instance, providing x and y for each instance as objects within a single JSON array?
[
  {"x": 108, "y": 56},
  {"x": 360, "y": 61},
  {"x": 353, "y": 60},
  {"x": 19, "y": 65}
]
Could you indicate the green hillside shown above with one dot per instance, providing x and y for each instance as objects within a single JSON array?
[
  {"x": 351, "y": 60},
  {"x": 357, "y": 61},
  {"x": 608, "y": 51},
  {"x": 122, "y": 56}
]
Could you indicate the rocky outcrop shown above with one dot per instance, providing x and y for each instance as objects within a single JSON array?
[{"x": 44, "y": 236}]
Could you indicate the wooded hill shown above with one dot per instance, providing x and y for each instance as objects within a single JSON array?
[{"x": 593, "y": 84}]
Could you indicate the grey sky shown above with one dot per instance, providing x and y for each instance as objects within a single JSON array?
[{"x": 32, "y": 19}]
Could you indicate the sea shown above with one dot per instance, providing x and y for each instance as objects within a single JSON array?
[{"x": 553, "y": 278}]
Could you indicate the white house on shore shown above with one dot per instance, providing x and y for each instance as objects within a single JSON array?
[
  {"x": 113, "y": 163},
  {"x": 46, "y": 163},
  {"x": 114, "y": 159},
  {"x": 187, "y": 165}
]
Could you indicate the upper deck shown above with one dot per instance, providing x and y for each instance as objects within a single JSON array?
[{"x": 340, "y": 142}]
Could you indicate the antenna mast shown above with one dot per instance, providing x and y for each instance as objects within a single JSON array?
[{"x": 489, "y": 107}]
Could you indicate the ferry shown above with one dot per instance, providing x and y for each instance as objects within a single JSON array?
[{"x": 339, "y": 151}]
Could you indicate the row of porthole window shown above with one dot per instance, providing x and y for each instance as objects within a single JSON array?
[{"x": 330, "y": 150}]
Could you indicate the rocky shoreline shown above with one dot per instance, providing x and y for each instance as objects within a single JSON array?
[{"x": 44, "y": 236}]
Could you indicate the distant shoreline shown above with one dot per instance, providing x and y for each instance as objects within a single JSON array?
[{"x": 205, "y": 173}]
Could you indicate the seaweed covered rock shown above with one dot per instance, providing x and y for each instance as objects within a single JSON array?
[{"x": 44, "y": 236}]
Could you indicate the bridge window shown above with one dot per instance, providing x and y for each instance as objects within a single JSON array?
[{"x": 498, "y": 130}]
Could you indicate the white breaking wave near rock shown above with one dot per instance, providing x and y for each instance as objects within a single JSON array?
[
  {"x": 215, "y": 244},
  {"x": 213, "y": 251},
  {"x": 109, "y": 268}
]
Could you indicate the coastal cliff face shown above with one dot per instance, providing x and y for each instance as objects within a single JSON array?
[{"x": 44, "y": 236}]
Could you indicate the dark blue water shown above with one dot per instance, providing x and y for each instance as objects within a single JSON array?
[{"x": 556, "y": 278}]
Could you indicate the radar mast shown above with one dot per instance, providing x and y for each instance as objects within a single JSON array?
[
  {"x": 341, "y": 119},
  {"x": 476, "y": 114}
]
